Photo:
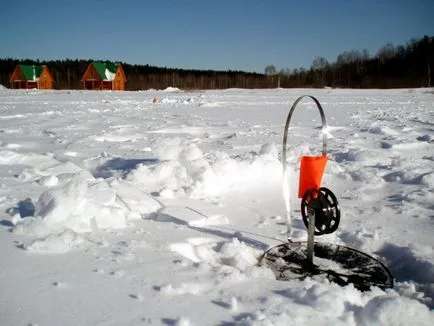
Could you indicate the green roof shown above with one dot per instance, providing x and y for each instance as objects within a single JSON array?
[
  {"x": 31, "y": 72},
  {"x": 101, "y": 68}
]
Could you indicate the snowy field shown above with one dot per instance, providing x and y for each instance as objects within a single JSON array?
[{"x": 119, "y": 211}]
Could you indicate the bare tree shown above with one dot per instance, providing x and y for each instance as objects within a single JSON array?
[
  {"x": 270, "y": 70},
  {"x": 320, "y": 63},
  {"x": 386, "y": 52},
  {"x": 319, "y": 67},
  {"x": 285, "y": 72}
]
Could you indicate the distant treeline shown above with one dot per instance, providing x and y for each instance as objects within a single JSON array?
[
  {"x": 409, "y": 65},
  {"x": 392, "y": 66},
  {"x": 68, "y": 73}
]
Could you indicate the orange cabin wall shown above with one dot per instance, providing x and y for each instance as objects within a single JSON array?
[
  {"x": 90, "y": 74},
  {"x": 91, "y": 79},
  {"x": 16, "y": 75},
  {"x": 46, "y": 80},
  {"x": 120, "y": 79},
  {"x": 17, "y": 79}
]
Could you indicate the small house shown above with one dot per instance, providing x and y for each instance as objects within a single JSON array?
[
  {"x": 104, "y": 75},
  {"x": 31, "y": 76}
]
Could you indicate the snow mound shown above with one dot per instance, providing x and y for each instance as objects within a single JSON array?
[
  {"x": 171, "y": 90},
  {"x": 57, "y": 243},
  {"x": 2, "y": 87},
  {"x": 79, "y": 202},
  {"x": 184, "y": 288},
  {"x": 8, "y": 157},
  {"x": 394, "y": 311},
  {"x": 184, "y": 168},
  {"x": 330, "y": 304},
  {"x": 240, "y": 260},
  {"x": 84, "y": 204}
]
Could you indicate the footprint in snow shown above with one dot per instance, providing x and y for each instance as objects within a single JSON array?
[
  {"x": 118, "y": 273},
  {"x": 60, "y": 285},
  {"x": 137, "y": 297},
  {"x": 99, "y": 271}
]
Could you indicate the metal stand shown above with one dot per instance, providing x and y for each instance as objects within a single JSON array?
[
  {"x": 321, "y": 215},
  {"x": 284, "y": 146},
  {"x": 310, "y": 239}
]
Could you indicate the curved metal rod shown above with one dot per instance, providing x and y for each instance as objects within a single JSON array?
[
  {"x": 285, "y": 139},
  {"x": 288, "y": 120}
]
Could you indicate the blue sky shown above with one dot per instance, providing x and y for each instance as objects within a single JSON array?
[{"x": 222, "y": 34}]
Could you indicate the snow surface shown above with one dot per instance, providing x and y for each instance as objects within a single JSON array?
[{"x": 119, "y": 211}]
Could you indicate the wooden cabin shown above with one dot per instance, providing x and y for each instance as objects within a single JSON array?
[
  {"x": 102, "y": 75},
  {"x": 31, "y": 76}
]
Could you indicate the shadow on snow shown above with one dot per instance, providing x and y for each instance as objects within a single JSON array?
[{"x": 120, "y": 166}]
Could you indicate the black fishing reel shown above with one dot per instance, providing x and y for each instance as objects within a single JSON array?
[{"x": 323, "y": 204}]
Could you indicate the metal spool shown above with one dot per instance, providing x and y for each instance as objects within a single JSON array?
[
  {"x": 321, "y": 215},
  {"x": 324, "y": 205}
]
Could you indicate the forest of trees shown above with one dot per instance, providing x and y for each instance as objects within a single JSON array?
[
  {"x": 392, "y": 66},
  {"x": 68, "y": 73}
]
